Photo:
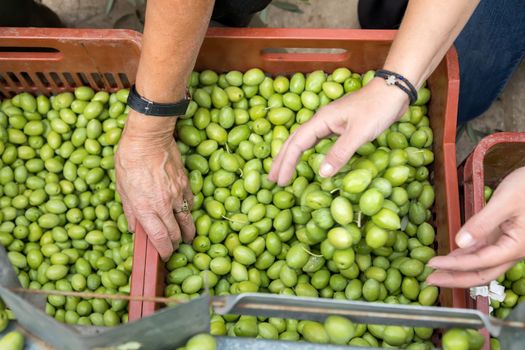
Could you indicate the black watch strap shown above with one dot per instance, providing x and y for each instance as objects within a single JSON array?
[{"x": 147, "y": 107}]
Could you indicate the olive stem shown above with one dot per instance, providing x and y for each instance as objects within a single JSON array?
[
  {"x": 359, "y": 219},
  {"x": 236, "y": 221},
  {"x": 312, "y": 254}
]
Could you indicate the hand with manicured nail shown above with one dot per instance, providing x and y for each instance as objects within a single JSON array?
[
  {"x": 490, "y": 242},
  {"x": 357, "y": 118},
  {"x": 152, "y": 183}
]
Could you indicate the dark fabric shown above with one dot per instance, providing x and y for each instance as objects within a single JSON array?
[
  {"x": 27, "y": 13},
  {"x": 237, "y": 13},
  {"x": 381, "y": 14},
  {"x": 490, "y": 48}
]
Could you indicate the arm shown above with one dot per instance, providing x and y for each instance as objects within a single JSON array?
[
  {"x": 427, "y": 32},
  {"x": 150, "y": 174},
  {"x": 173, "y": 35}
]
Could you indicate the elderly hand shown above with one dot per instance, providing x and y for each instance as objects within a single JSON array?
[
  {"x": 490, "y": 242},
  {"x": 152, "y": 183},
  {"x": 357, "y": 118}
]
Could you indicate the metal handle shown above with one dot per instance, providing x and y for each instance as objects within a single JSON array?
[{"x": 361, "y": 312}]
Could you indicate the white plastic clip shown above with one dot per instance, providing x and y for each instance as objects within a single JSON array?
[
  {"x": 496, "y": 291},
  {"x": 481, "y": 291}
]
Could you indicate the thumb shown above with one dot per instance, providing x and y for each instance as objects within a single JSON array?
[
  {"x": 480, "y": 226},
  {"x": 339, "y": 154}
]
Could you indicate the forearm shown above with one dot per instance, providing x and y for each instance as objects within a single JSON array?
[
  {"x": 172, "y": 37},
  {"x": 173, "y": 34},
  {"x": 428, "y": 30}
]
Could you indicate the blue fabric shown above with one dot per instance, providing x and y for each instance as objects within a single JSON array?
[{"x": 490, "y": 48}]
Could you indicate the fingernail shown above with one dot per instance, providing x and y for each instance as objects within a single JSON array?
[
  {"x": 465, "y": 240},
  {"x": 326, "y": 170}
]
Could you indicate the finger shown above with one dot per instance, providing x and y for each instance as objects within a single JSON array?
[
  {"x": 188, "y": 196},
  {"x": 462, "y": 251},
  {"x": 306, "y": 136},
  {"x": 186, "y": 225},
  {"x": 455, "y": 279},
  {"x": 480, "y": 226},
  {"x": 504, "y": 250},
  {"x": 185, "y": 219},
  {"x": 340, "y": 153},
  {"x": 288, "y": 162},
  {"x": 130, "y": 217},
  {"x": 276, "y": 162},
  {"x": 157, "y": 233},
  {"x": 171, "y": 224}
]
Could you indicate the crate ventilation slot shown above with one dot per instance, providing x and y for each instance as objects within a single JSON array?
[{"x": 13, "y": 82}]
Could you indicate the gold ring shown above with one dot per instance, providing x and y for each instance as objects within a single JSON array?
[{"x": 185, "y": 207}]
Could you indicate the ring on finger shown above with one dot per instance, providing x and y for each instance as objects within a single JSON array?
[{"x": 185, "y": 207}]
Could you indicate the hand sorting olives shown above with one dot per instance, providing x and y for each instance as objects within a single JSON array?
[{"x": 362, "y": 234}]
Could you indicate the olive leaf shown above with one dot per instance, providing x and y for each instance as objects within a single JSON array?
[
  {"x": 287, "y": 6},
  {"x": 475, "y": 135},
  {"x": 109, "y": 6},
  {"x": 263, "y": 15}
]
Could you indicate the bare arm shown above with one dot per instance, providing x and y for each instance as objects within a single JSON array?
[
  {"x": 427, "y": 32},
  {"x": 173, "y": 35},
  {"x": 150, "y": 174}
]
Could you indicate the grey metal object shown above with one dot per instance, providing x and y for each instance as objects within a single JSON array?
[
  {"x": 166, "y": 329},
  {"x": 233, "y": 343},
  {"x": 512, "y": 339},
  {"x": 316, "y": 309},
  {"x": 9, "y": 279}
]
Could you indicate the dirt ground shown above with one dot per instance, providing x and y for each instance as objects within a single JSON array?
[{"x": 506, "y": 114}]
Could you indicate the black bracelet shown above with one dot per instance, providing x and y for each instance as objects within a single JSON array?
[
  {"x": 147, "y": 107},
  {"x": 398, "y": 80}
]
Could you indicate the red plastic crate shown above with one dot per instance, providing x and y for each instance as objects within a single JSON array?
[
  {"x": 227, "y": 49},
  {"x": 494, "y": 157},
  {"x": 50, "y": 61}
]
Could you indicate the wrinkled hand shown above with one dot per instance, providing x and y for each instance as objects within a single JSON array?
[
  {"x": 490, "y": 242},
  {"x": 152, "y": 184},
  {"x": 357, "y": 118}
]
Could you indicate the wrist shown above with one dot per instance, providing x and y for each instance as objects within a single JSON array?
[
  {"x": 412, "y": 75},
  {"x": 160, "y": 94},
  {"x": 156, "y": 131},
  {"x": 394, "y": 92}
]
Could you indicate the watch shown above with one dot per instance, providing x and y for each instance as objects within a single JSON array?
[{"x": 144, "y": 106}]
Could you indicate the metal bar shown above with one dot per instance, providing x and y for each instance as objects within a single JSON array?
[
  {"x": 362, "y": 312},
  {"x": 239, "y": 343}
]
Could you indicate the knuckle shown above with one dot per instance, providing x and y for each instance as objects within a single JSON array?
[
  {"x": 158, "y": 236},
  {"x": 175, "y": 236},
  {"x": 337, "y": 155}
]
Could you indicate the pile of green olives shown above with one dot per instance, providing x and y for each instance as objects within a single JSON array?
[
  {"x": 363, "y": 234},
  {"x": 61, "y": 219}
]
